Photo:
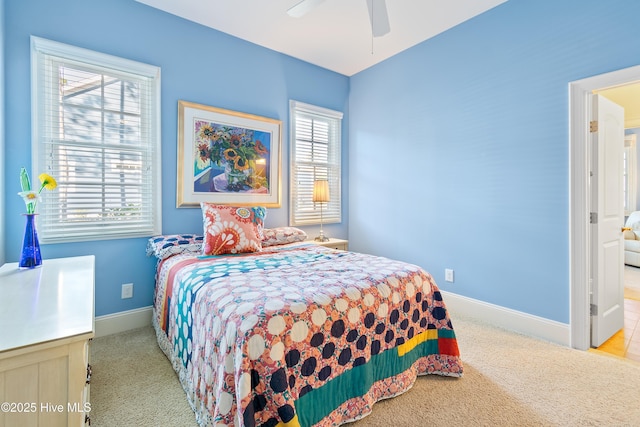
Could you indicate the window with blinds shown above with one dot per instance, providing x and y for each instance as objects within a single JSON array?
[
  {"x": 315, "y": 154},
  {"x": 96, "y": 131}
]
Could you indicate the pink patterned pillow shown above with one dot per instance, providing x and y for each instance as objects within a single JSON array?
[
  {"x": 232, "y": 229},
  {"x": 282, "y": 236}
]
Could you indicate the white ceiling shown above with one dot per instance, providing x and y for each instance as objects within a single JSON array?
[
  {"x": 336, "y": 34},
  {"x": 627, "y": 96}
]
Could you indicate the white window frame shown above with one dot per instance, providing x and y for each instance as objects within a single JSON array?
[
  {"x": 303, "y": 172},
  {"x": 53, "y": 227},
  {"x": 630, "y": 176}
]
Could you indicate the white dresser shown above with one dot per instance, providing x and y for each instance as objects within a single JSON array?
[{"x": 46, "y": 323}]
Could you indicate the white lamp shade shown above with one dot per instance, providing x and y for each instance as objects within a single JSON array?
[{"x": 321, "y": 190}]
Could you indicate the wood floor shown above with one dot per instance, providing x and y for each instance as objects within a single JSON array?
[{"x": 626, "y": 343}]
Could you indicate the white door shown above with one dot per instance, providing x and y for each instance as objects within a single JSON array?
[{"x": 607, "y": 287}]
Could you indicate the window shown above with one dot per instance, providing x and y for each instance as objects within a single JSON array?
[
  {"x": 315, "y": 154},
  {"x": 96, "y": 130},
  {"x": 629, "y": 171}
]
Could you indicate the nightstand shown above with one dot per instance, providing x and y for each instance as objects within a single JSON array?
[{"x": 332, "y": 243}]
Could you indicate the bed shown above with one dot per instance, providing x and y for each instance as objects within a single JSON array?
[{"x": 296, "y": 334}]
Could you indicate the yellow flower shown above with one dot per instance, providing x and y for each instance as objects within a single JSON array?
[
  {"x": 241, "y": 164},
  {"x": 47, "y": 181},
  {"x": 230, "y": 154},
  {"x": 206, "y": 132}
]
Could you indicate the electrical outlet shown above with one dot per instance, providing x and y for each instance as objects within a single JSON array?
[
  {"x": 127, "y": 291},
  {"x": 448, "y": 275}
]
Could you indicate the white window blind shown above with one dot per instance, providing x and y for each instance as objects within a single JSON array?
[
  {"x": 96, "y": 131},
  {"x": 315, "y": 154}
]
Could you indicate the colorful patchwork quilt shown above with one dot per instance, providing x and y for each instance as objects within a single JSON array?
[{"x": 298, "y": 335}]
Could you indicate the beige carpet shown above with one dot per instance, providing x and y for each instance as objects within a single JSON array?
[
  {"x": 632, "y": 282},
  {"x": 510, "y": 380}
]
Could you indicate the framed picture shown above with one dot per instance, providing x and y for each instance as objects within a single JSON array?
[{"x": 227, "y": 157}]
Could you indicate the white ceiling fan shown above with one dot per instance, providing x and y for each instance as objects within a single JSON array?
[{"x": 378, "y": 16}]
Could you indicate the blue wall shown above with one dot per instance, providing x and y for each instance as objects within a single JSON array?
[
  {"x": 458, "y": 153},
  {"x": 199, "y": 65},
  {"x": 2, "y": 109},
  {"x": 468, "y": 133}
]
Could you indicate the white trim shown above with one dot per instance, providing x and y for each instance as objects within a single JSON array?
[
  {"x": 83, "y": 55},
  {"x": 579, "y": 157},
  {"x": 506, "y": 318},
  {"x": 123, "y": 321},
  {"x": 579, "y": 262},
  {"x": 314, "y": 109},
  {"x": 631, "y": 171}
]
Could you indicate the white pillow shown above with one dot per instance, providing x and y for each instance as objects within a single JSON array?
[{"x": 282, "y": 236}]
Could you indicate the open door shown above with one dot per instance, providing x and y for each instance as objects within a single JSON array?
[{"x": 607, "y": 220}]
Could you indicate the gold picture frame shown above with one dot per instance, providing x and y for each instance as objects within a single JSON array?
[{"x": 227, "y": 157}]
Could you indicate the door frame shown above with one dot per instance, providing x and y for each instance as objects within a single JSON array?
[{"x": 580, "y": 198}]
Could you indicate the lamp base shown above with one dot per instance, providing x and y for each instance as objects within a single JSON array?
[{"x": 321, "y": 238}]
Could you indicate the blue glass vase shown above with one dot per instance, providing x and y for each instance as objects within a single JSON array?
[{"x": 30, "y": 257}]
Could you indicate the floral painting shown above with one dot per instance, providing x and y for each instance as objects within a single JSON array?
[
  {"x": 237, "y": 158},
  {"x": 227, "y": 157}
]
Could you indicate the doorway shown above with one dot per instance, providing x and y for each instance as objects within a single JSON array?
[
  {"x": 579, "y": 238},
  {"x": 626, "y": 342}
]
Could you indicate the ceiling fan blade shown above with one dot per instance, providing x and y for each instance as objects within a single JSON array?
[
  {"x": 301, "y": 8},
  {"x": 378, "y": 17}
]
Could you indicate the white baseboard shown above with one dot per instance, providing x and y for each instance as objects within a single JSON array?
[
  {"x": 123, "y": 321},
  {"x": 506, "y": 318}
]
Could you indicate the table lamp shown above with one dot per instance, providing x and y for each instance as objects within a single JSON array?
[{"x": 321, "y": 195}]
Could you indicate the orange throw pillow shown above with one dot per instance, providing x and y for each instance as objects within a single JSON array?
[{"x": 232, "y": 229}]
